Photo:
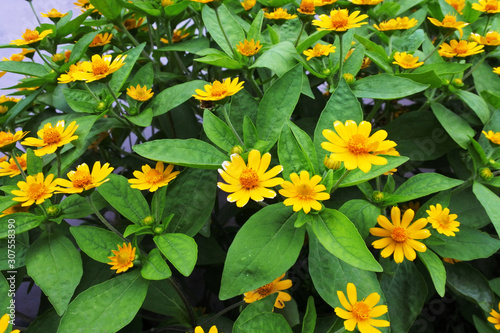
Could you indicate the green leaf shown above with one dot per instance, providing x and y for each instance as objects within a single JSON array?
[
  {"x": 341, "y": 238},
  {"x": 293, "y": 151},
  {"x": 81, "y": 46},
  {"x": 25, "y": 68},
  {"x": 163, "y": 298},
  {"x": 476, "y": 103},
  {"x": 23, "y": 222},
  {"x": 274, "y": 111},
  {"x": 56, "y": 267},
  {"x": 218, "y": 132},
  {"x": 266, "y": 321},
  {"x": 341, "y": 106},
  {"x": 143, "y": 119},
  {"x": 256, "y": 27},
  {"x": 174, "y": 96},
  {"x": 80, "y": 100},
  {"x": 76, "y": 207},
  {"x": 22, "y": 246},
  {"x": 459, "y": 130},
  {"x": 144, "y": 76},
  {"x": 33, "y": 162},
  {"x": 436, "y": 269},
  {"x": 47, "y": 322},
  {"x": 120, "y": 76},
  {"x": 376, "y": 53},
  {"x": 408, "y": 43},
  {"x": 190, "y": 46},
  {"x": 97, "y": 243},
  {"x": 362, "y": 213},
  {"x": 143, "y": 8},
  {"x": 386, "y": 86},
  {"x": 249, "y": 264},
  {"x": 421, "y": 185},
  {"x": 280, "y": 58},
  {"x": 5, "y": 290},
  {"x": 250, "y": 135},
  {"x": 106, "y": 307},
  {"x": 189, "y": 152},
  {"x": 357, "y": 176},
  {"x": 176, "y": 8},
  {"x": 309, "y": 321},
  {"x": 265, "y": 305},
  {"x": 23, "y": 105},
  {"x": 443, "y": 69},
  {"x": 353, "y": 64},
  {"x": 485, "y": 78},
  {"x": 233, "y": 30},
  {"x": 65, "y": 28},
  {"x": 180, "y": 250},
  {"x": 471, "y": 284},
  {"x": 490, "y": 202},
  {"x": 217, "y": 58},
  {"x": 109, "y": 8},
  {"x": 427, "y": 77},
  {"x": 130, "y": 202},
  {"x": 192, "y": 188},
  {"x": 154, "y": 267}
]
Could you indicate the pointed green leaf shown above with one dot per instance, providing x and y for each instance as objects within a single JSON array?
[
  {"x": 459, "y": 130},
  {"x": 357, "y": 176},
  {"x": 293, "y": 151},
  {"x": 491, "y": 203},
  {"x": 436, "y": 269},
  {"x": 23, "y": 222},
  {"x": 120, "y": 76},
  {"x": 180, "y": 250},
  {"x": 362, "y": 213},
  {"x": 97, "y": 243},
  {"x": 218, "y": 131},
  {"x": 386, "y": 86},
  {"x": 154, "y": 267},
  {"x": 174, "y": 96},
  {"x": 109, "y": 8},
  {"x": 233, "y": 30}
]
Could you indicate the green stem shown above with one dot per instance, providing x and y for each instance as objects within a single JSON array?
[
  {"x": 58, "y": 156},
  {"x": 346, "y": 173},
  {"x": 436, "y": 48},
  {"x": 45, "y": 61},
  {"x": 469, "y": 73},
  {"x": 90, "y": 91},
  {"x": 486, "y": 26},
  {"x": 230, "y": 124},
  {"x": 13, "y": 156},
  {"x": 115, "y": 97},
  {"x": 341, "y": 48},
  {"x": 254, "y": 84},
  {"x": 223, "y": 31},
  {"x": 220, "y": 313},
  {"x": 378, "y": 183},
  {"x": 34, "y": 12},
  {"x": 103, "y": 220},
  {"x": 133, "y": 40},
  {"x": 188, "y": 307},
  {"x": 373, "y": 112},
  {"x": 390, "y": 44},
  {"x": 300, "y": 33}
]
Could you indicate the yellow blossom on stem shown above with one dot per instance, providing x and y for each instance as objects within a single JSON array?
[
  {"x": 248, "y": 4},
  {"x": 496, "y": 70},
  {"x": 52, "y": 137},
  {"x": 493, "y": 136},
  {"x": 487, "y": 6},
  {"x": 449, "y": 22},
  {"x": 101, "y": 40},
  {"x": 406, "y": 60},
  {"x": 457, "y": 4},
  {"x": 399, "y": 23},
  {"x": 492, "y": 38},
  {"x": 304, "y": 193},
  {"x": 7, "y": 139},
  {"x": 442, "y": 220},
  {"x": 177, "y": 36},
  {"x": 133, "y": 23},
  {"x": 123, "y": 259},
  {"x": 399, "y": 237},
  {"x": 139, "y": 93},
  {"x": 10, "y": 168},
  {"x": 306, "y": 7},
  {"x": 18, "y": 208},
  {"x": 249, "y": 181},
  {"x": 14, "y": 57},
  {"x": 219, "y": 90},
  {"x": 280, "y": 14},
  {"x": 275, "y": 286},
  {"x": 152, "y": 179},
  {"x": 361, "y": 313},
  {"x": 199, "y": 329},
  {"x": 31, "y": 36},
  {"x": 99, "y": 67},
  {"x": 35, "y": 190},
  {"x": 319, "y": 50},
  {"x": 166, "y": 3},
  {"x": 82, "y": 179},
  {"x": 53, "y": 13},
  {"x": 460, "y": 48},
  {"x": 339, "y": 20},
  {"x": 73, "y": 74},
  {"x": 4, "y": 323},
  {"x": 248, "y": 48},
  {"x": 366, "y": 2},
  {"x": 495, "y": 318}
]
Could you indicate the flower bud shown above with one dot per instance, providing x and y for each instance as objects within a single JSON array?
[
  {"x": 148, "y": 220},
  {"x": 349, "y": 78},
  {"x": 326, "y": 71},
  {"x": 236, "y": 150},
  {"x": 101, "y": 106},
  {"x": 53, "y": 211},
  {"x": 458, "y": 83},
  {"x": 330, "y": 163},
  {"x": 158, "y": 230},
  {"x": 486, "y": 174},
  {"x": 377, "y": 196}
]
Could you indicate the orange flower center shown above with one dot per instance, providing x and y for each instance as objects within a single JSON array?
[
  {"x": 339, "y": 19},
  {"x": 462, "y": 47},
  {"x": 265, "y": 290},
  {"x": 399, "y": 234},
  {"x": 307, "y": 6},
  {"x": 100, "y": 67},
  {"x": 249, "y": 179},
  {"x": 218, "y": 89},
  {"x": 81, "y": 179},
  {"x": 154, "y": 176},
  {"x": 6, "y": 137},
  {"x": 358, "y": 145},
  {"x": 408, "y": 60},
  {"x": 36, "y": 190},
  {"x": 449, "y": 21},
  {"x": 491, "y": 5},
  {"x": 13, "y": 165},
  {"x": 444, "y": 220},
  {"x": 492, "y": 36},
  {"x": 51, "y": 136},
  {"x": 361, "y": 311},
  {"x": 305, "y": 191},
  {"x": 30, "y": 35}
]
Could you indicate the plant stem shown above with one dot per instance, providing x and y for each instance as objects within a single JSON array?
[
  {"x": 469, "y": 73},
  {"x": 45, "y": 60},
  {"x": 134, "y": 41},
  {"x": 486, "y": 25},
  {"x": 300, "y": 33},
  {"x": 115, "y": 97},
  {"x": 346, "y": 173},
  {"x": 13, "y": 156},
  {"x": 230, "y": 124},
  {"x": 220, "y": 313},
  {"x": 341, "y": 65},
  {"x": 34, "y": 13},
  {"x": 103, "y": 220},
  {"x": 253, "y": 83},
  {"x": 223, "y": 31},
  {"x": 436, "y": 48},
  {"x": 58, "y": 156},
  {"x": 192, "y": 319},
  {"x": 90, "y": 91},
  {"x": 373, "y": 112}
]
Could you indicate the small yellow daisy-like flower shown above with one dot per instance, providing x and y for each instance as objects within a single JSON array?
[
  {"x": 306, "y": 7},
  {"x": 487, "y": 6},
  {"x": 99, "y": 67},
  {"x": 219, "y": 90},
  {"x": 101, "y": 40},
  {"x": 361, "y": 313},
  {"x": 460, "y": 48},
  {"x": 492, "y": 38},
  {"x": 3, "y": 109},
  {"x": 204, "y": 1},
  {"x": 133, "y": 23},
  {"x": 248, "y": 4},
  {"x": 84, "y": 5},
  {"x": 320, "y": 3},
  {"x": 58, "y": 57},
  {"x": 11, "y": 210},
  {"x": 14, "y": 57},
  {"x": 492, "y": 136},
  {"x": 399, "y": 237},
  {"x": 177, "y": 36},
  {"x": 274, "y": 287},
  {"x": 199, "y": 329},
  {"x": 495, "y": 318},
  {"x": 82, "y": 179},
  {"x": 67, "y": 55},
  {"x": 406, "y": 60},
  {"x": 366, "y": 62},
  {"x": 7, "y": 139},
  {"x": 249, "y": 181},
  {"x": 26, "y": 51},
  {"x": 399, "y": 23},
  {"x": 166, "y": 3},
  {"x": 366, "y": 2},
  {"x": 449, "y": 22},
  {"x": 304, "y": 193},
  {"x": 123, "y": 259},
  {"x": 10, "y": 168},
  {"x": 248, "y": 48},
  {"x": 139, "y": 93},
  {"x": 353, "y": 145},
  {"x": 4, "y": 99},
  {"x": 496, "y": 70},
  {"x": 31, "y": 36},
  {"x": 442, "y": 220},
  {"x": 53, "y": 13},
  {"x": 52, "y": 138},
  {"x": 4, "y": 323},
  {"x": 152, "y": 179},
  {"x": 35, "y": 189},
  {"x": 280, "y": 14},
  {"x": 319, "y": 50},
  {"x": 339, "y": 20},
  {"x": 73, "y": 74},
  {"x": 459, "y": 5}
]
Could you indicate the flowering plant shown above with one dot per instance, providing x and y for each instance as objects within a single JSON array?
[{"x": 168, "y": 165}]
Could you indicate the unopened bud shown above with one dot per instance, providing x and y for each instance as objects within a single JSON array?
[
  {"x": 330, "y": 163},
  {"x": 458, "y": 83},
  {"x": 349, "y": 78},
  {"x": 53, "y": 211},
  {"x": 148, "y": 220},
  {"x": 158, "y": 230},
  {"x": 377, "y": 196},
  {"x": 236, "y": 150},
  {"x": 485, "y": 173}
]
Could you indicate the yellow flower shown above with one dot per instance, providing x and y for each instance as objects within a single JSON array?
[
  {"x": 99, "y": 67},
  {"x": 340, "y": 20},
  {"x": 3, "y": 109},
  {"x": 52, "y": 138},
  {"x": 27, "y": 51},
  {"x": 4, "y": 99},
  {"x": 248, "y": 48},
  {"x": 460, "y": 48},
  {"x": 319, "y": 50},
  {"x": 4, "y": 323},
  {"x": 399, "y": 23},
  {"x": 203, "y": 1},
  {"x": 166, "y": 3},
  {"x": 496, "y": 70},
  {"x": 449, "y": 22},
  {"x": 457, "y": 4},
  {"x": 219, "y": 90},
  {"x": 67, "y": 55},
  {"x": 139, "y": 93},
  {"x": 492, "y": 136},
  {"x": 279, "y": 14},
  {"x": 492, "y": 38},
  {"x": 152, "y": 179},
  {"x": 249, "y": 181},
  {"x": 35, "y": 190},
  {"x": 53, "y": 13},
  {"x": 31, "y": 36},
  {"x": 306, "y": 7},
  {"x": 495, "y": 318},
  {"x": 361, "y": 313},
  {"x": 84, "y": 5},
  {"x": 132, "y": 23},
  {"x": 442, "y": 220},
  {"x": 399, "y": 237},
  {"x": 14, "y": 209},
  {"x": 14, "y": 57},
  {"x": 82, "y": 179},
  {"x": 320, "y": 3},
  {"x": 274, "y": 287},
  {"x": 7, "y": 139},
  {"x": 248, "y": 4},
  {"x": 331, "y": 163},
  {"x": 366, "y": 2},
  {"x": 487, "y": 6},
  {"x": 101, "y": 40},
  {"x": 70, "y": 75},
  {"x": 353, "y": 145},
  {"x": 177, "y": 36},
  {"x": 10, "y": 168},
  {"x": 406, "y": 60},
  {"x": 213, "y": 329},
  {"x": 304, "y": 193},
  {"x": 366, "y": 62},
  {"x": 123, "y": 259}
]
